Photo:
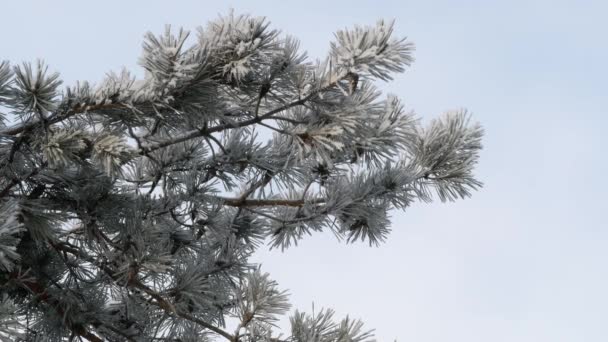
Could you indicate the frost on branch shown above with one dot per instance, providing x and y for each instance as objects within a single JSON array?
[
  {"x": 240, "y": 43},
  {"x": 9, "y": 229},
  {"x": 129, "y": 209},
  {"x": 322, "y": 327},
  {"x": 63, "y": 147},
  {"x": 34, "y": 90},
  {"x": 10, "y": 326},
  {"x": 260, "y": 303},
  {"x": 110, "y": 152},
  {"x": 448, "y": 151},
  {"x": 372, "y": 50},
  {"x": 5, "y": 80}
]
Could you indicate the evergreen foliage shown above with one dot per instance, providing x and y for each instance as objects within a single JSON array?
[{"x": 129, "y": 209}]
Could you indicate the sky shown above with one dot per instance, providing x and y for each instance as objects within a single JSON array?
[{"x": 524, "y": 259}]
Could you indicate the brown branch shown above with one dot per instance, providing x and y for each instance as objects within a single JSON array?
[{"x": 238, "y": 202}]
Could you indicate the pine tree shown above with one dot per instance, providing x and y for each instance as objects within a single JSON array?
[{"x": 129, "y": 209}]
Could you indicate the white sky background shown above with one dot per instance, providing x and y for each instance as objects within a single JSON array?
[{"x": 526, "y": 258}]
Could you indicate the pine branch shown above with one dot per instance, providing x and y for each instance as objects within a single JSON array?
[
  {"x": 171, "y": 310},
  {"x": 206, "y": 325},
  {"x": 204, "y": 131},
  {"x": 41, "y": 293},
  {"x": 120, "y": 194},
  {"x": 160, "y": 301},
  {"x": 16, "y": 181},
  {"x": 58, "y": 117}
]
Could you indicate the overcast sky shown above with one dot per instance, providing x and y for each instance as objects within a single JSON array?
[{"x": 525, "y": 259}]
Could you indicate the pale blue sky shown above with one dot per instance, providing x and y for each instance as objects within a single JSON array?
[{"x": 526, "y": 258}]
